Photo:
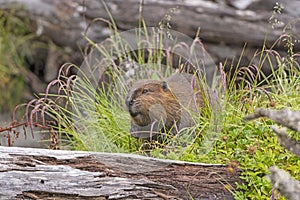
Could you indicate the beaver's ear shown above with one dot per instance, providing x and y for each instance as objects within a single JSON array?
[{"x": 164, "y": 85}]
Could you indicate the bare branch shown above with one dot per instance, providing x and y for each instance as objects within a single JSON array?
[
  {"x": 285, "y": 117},
  {"x": 287, "y": 142},
  {"x": 282, "y": 181}
]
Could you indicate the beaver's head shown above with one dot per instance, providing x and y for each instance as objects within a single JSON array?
[{"x": 152, "y": 100}]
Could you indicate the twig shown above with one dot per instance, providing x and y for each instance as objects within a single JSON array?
[
  {"x": 283, "y": 182},
  {"x": 285, "y": 117}
]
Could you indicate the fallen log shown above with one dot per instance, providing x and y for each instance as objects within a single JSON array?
[{"x": 27, "y": 173}]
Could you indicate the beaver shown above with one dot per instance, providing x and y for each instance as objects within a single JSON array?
[{"x": 163, "y": 106}]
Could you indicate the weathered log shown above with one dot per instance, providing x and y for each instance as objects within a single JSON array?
[{"x": 27, "y": 173}]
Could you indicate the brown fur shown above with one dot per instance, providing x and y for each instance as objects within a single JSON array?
[{"x": 152, "y": 100}]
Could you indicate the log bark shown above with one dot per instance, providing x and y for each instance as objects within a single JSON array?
[{"x": 27, "y": 173}]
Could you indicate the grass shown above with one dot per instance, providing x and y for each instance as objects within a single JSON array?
[{"x": 97, "y": 121}]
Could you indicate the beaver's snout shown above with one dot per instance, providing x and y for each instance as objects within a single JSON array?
[
  {"x": 132, "y": 110},
  {"x": 129, "y": 102}
]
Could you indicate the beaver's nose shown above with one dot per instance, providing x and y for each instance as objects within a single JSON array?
[{"x": 129, "y": 102}]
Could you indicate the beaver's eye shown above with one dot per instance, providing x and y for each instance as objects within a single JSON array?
[{"x": 145, "y": 91}]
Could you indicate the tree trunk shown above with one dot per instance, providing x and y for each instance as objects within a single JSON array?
[{"x": 27, "y": 173}]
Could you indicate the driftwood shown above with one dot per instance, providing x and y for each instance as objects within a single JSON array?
[
  {"x": 27, "y": 173},
  {"x": 281, "y": 179}
]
